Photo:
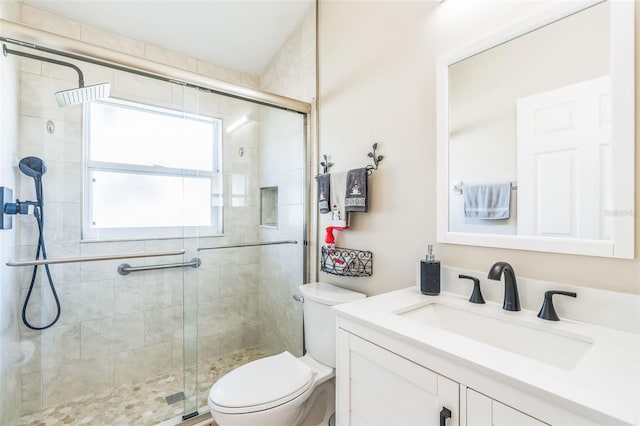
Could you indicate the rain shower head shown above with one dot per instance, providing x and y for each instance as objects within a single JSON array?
[
  {"x": 71, "y": 96},
  {"x": 33, "y": 167},
  {"x": 83, "y": 94}
]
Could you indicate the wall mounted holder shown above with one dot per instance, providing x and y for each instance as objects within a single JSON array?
[
  {"x": 346, "y": 262},
  {"x": 6, "y": 196},
  {"x": 376, "y": 159},
  {"x": 326, "y": 164}
]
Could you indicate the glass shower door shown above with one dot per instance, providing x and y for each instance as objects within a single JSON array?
[
  {"x": 115, "y": 354},
  {"x": 145, "y": 347},
  {"x": 244, "y": 308}
]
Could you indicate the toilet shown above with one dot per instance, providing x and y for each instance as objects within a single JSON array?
[{"x": 282, "y": 390}]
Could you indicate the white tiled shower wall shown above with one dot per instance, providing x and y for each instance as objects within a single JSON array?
[
  {"x": 292, "y": 73},
  {"x": 116, "y": 329},
  {"x": 10, "y": 351}
]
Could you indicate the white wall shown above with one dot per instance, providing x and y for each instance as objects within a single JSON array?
[{"x": 377, "y": 83}]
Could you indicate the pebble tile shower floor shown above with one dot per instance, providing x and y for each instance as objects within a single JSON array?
[{"x": 140, "y": 403}]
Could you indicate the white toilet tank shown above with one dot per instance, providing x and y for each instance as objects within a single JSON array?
[{"x": 320, "y": 319}]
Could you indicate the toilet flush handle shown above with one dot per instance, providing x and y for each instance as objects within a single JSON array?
[{"x": 298, "y": 298}]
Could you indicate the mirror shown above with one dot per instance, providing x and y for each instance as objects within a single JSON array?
[{"x": 536, "y": 135}]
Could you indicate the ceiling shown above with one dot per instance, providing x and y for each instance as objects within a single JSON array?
[{"x": 239, "y": 34}]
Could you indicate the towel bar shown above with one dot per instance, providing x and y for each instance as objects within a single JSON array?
[{"x": 457, "y": 188}]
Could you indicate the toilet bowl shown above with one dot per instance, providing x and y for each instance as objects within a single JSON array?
[
  {"x": 282, "y": 390},
  {"x": 270, "y": 391}
]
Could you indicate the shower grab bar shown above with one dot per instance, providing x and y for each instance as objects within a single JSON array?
[
  {"x": 92, "y": 258},
  {"x": 265, "y": 243},
  {"x": 125, "y": 268}
]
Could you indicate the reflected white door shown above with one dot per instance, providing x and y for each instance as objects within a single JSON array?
[{"x": 564, "y": 161}]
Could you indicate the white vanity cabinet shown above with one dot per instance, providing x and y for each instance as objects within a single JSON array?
[
  {"x": 403, "y": 356},
  {"x": 484, "y": 411},
  {"x": 382, "y": 381},
  {"x": 378, "y": 387}
]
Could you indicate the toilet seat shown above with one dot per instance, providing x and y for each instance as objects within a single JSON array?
[{"x": 261, "y": 385}]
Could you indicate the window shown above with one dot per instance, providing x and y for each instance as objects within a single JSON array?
[{"x": 151, "y": 172}]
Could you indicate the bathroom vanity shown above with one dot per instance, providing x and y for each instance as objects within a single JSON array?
[
  {"x": 507, "y": 114},
  {"x": 409, "y": 359}
]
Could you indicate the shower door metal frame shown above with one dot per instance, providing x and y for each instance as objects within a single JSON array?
[{"x": 32, "y": 38}]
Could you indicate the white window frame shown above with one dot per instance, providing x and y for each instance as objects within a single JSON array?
[{"x": 95, "y": 233}]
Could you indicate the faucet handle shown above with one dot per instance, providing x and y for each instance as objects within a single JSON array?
[
  {"x": 476, "y": 295},
  {"x": 547, "y": 311}
]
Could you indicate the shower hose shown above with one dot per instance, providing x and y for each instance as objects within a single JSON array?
[{"x": 38, "y": 213}]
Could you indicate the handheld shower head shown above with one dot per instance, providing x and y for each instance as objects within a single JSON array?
[{"x": 33, "y": 167}]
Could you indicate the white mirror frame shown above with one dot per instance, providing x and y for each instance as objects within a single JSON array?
[{"x": 622, "y": 71}]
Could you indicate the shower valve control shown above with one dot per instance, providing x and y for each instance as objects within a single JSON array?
[
  {"x": 19, "y": 207},
  {"x": 9, "y": 209}
]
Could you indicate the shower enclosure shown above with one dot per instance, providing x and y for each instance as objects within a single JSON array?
[{"x": 206, "y": 194}]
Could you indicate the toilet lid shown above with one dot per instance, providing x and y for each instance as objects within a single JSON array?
[{"x": 262, "y": 384}]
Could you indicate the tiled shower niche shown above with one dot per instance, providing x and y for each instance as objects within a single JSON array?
[{"x": 269, "y": 207}]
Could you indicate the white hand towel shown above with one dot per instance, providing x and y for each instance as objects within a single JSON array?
[{"x": 338, "y": 183}]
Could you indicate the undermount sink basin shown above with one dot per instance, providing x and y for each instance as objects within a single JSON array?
[{"x": 557, "y": 348}]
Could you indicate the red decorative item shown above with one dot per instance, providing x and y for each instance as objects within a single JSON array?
[{"x": 329, "y": 238}]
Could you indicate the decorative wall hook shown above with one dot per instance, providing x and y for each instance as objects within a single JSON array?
[
  {"x": 376, "y": 159},
  {"x": 326, "y": 164}
]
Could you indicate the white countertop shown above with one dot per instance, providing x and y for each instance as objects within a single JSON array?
[{"x": 605, "y": 380}]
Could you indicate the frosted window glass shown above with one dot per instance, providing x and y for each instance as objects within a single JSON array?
[
  {"x": 123, "y": 133},
  {"x": 125, "y": 200},
  {"x": 152, "y": 172}
]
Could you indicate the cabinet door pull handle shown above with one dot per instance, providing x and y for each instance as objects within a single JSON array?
[{"x": 444, "y": 415}]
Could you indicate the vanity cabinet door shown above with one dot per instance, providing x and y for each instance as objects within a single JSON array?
[
  {"x": 378, "y": 387},
  {"x": 484, "y": 411}
]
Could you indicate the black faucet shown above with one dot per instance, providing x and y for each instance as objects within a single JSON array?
[{"x": 511, "y": 299}]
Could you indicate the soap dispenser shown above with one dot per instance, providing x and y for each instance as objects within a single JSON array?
[{"x": 430, "y": 274}]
